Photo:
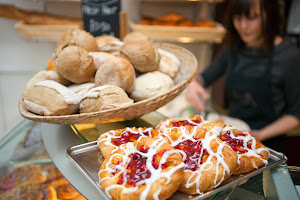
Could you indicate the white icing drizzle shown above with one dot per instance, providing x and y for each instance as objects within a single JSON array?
[
  {"x": 156, "y": 174},
  {"x": 250, "y": 151},
  {"x": 70, "y": 97},
  {"x": 208, "y": 164}
]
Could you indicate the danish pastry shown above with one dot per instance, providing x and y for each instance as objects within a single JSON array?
[
  {"x": 78, "y": 37},
  {"x": 50, "y": 98},
  {"x": 144, "y": 169},
  {"x": 103, "y": 98},
  {"x": 111, "y": 140},
  {"x": 209, "y": 161},
  {"x": 252, "y": 154}
]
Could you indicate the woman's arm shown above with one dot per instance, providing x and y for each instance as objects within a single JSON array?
[{"x": 279, "y": 127}]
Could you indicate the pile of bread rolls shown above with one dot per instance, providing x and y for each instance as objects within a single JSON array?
[{"x": 99, "y": 73}]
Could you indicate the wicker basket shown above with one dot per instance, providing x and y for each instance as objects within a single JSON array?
[
  {"x": 181, "y": 34},
  {"x": 187, "y": 70},
  {"x": 43, "y": 32}
]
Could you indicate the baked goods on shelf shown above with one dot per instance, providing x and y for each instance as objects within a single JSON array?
[
  {"x": 252, "y": 154},
  {"x": 145, "y": 169}
]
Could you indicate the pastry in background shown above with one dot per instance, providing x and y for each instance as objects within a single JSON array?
[
  {"x": 74, "y": 63},
  {"x": 205, "y": 23},
  {"x": 150, "y": 84},
  {"x": 185, "y": 22},
  {"x": 50, "y": 98},
  {"x": 99, "y": 58},
  {"x": 109, "y": 44},
  {"x": 146, "y": 20},
  {"x": 143, "y": 55},
  {"x": 117, "y": 71},
  {"x": 171, "y": 17},
  {"x": 103, "y": 98},
  {"x": 136, "y": 36},
  {"x": 46, "y": 75},
  {"x": 80, "y": 38}
]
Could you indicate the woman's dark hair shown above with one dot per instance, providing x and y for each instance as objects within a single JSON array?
[{"x": 272, "y": 24}]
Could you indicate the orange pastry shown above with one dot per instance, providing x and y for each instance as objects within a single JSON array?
[
  {"x": 144, "y": 169},
  {"x": 111, "y": 140},
  {"x": 252, "y": 154}
]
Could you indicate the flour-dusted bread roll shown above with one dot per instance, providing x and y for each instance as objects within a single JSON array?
[
  {"x": 143, "y": 55},
  {"x": 74, "y": 63},
  {"x": 151, "y": 84},
  {"x": 100, "y": 57},
  {"x": 169, "y": 64},
  {"x": 109, "y": 44},
  {"x": 81, "y": 89},
  {"x": 80, "y": 38},
  {"x": 46, "y": 75},
  {"x": 103, "y": 98},
  {"x": 136, "y": 36},
  {"x": 50, "y": 98},
  {"x": 117, "y": 71}
]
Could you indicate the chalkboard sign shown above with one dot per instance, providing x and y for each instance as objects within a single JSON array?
[{"x": 101, "y": 17}]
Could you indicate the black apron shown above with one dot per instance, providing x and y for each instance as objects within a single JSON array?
[{"x": 250, "y": 99}]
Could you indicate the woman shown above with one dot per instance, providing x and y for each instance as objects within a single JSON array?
[{"x": 262, "y": 72}]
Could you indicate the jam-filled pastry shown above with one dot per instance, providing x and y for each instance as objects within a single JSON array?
[
  {"x": 145, "y": 169},
  {"x": 252, "y": 154},
  {"x": 208, "y": 160},
  {"x": 111, "y": 140}
]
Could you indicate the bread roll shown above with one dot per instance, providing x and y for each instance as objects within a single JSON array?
[
  {"x": 46, "y": 75},
  {"x": 80, "y": 38},
  {"x": 109, "y": 44},
  {"x": 51, "y": 98},
  {"x": 99, "y": 58},
  {"x": 151, "y": 84},
  {"x": 74, "y": 63},
  {"x": 117, "y": 71},
  {"x": 103, "y": 98},
  {"x": 81, "y": 89},
  {"x": 136, "y": 36},
  {"x": 143, "y": 55}
]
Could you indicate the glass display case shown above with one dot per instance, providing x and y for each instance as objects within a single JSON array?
[{"x": 34, "y": 161}]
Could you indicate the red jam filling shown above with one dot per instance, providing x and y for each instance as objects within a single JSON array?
[
  {"x": 185, "y": 123},
  {"x": 137, "y": 169},
  {"x": 236, "y": 144},
  {"x": 127, "y": 136},
  {"x": 193, "y": 153}
]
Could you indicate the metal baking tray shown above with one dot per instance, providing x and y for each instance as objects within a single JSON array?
[{"x": 88, "y": 159}]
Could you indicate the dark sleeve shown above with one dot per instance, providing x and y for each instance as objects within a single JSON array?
[
  {"x": 217, "y": 68},
  {"x": 292, "y": 86}
]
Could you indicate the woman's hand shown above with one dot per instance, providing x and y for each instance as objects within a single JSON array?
[
  {"x": 194, "y": 92},
  {"x": 258, "y": 134}
]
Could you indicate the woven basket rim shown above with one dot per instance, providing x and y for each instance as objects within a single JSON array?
[{"x": 113, "y": 114}]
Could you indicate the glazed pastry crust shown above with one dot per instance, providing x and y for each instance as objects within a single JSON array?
[
  {"x": 109, "y": 136},
  {"x": 250, "y": 163},
  {"x": 166, "y": 188},
  {"x": 213, "y": 173}
]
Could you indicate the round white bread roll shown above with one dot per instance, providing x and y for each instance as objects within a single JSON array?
[
  {"x": 136, "y": 36},
  {"x": 99, "y": 58},
  {"x": 74, "y": 63},
  {"x": 50, "y": 98},
  {"x": 143, "y": 55},
  {"x": 81, "y": 89},
  {"x": 80, "y": 38},
  {"x": 151, "y": 84},
  {"x": 103, "y": 98},
  {"x": 109, "y": 44},
  {"x": 117, "y": 71},
  {"x": 46, "y": 75}
]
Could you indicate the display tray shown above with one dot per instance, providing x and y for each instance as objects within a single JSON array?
[{"x": 88, "y": 159}]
